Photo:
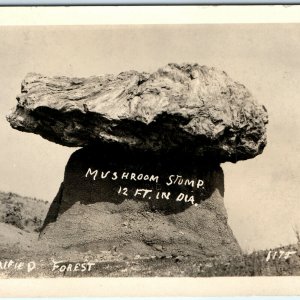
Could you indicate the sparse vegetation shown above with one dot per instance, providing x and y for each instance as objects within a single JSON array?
[
  {"x": 13, "y": 215},
  {"x": 297, "y": 234}
]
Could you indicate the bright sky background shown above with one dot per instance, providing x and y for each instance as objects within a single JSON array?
[{"x": 261, "y": 195}]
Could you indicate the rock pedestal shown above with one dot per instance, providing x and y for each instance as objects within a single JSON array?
[
  {"x": 140, "y": 203},
  {"x": 147, "y": 179}
]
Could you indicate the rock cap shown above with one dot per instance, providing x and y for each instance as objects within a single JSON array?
[{"x": 187, "y": 108}]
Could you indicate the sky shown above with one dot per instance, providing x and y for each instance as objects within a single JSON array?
[{"x": 261, "y": 194}]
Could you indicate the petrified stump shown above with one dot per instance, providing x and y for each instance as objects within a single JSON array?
[{"x": 148, "y": 178}]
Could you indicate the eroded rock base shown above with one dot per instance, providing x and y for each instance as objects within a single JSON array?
[{"x": 101, "y": 206}]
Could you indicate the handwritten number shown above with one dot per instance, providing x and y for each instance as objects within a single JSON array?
[{"x": 123, "y": 191}]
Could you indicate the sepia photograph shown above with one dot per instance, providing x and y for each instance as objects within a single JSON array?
[{"x": 150, "y": 150}]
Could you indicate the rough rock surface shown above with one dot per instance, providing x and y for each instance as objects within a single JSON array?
[
  {"x": 188, "y": 107},
  {"x": 89, "y": 213}
]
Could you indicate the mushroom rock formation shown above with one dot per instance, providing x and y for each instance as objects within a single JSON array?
[{"x": 147, "y": 179}]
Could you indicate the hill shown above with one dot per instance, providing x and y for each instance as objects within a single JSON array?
[{"x": 24, "y": 213}]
